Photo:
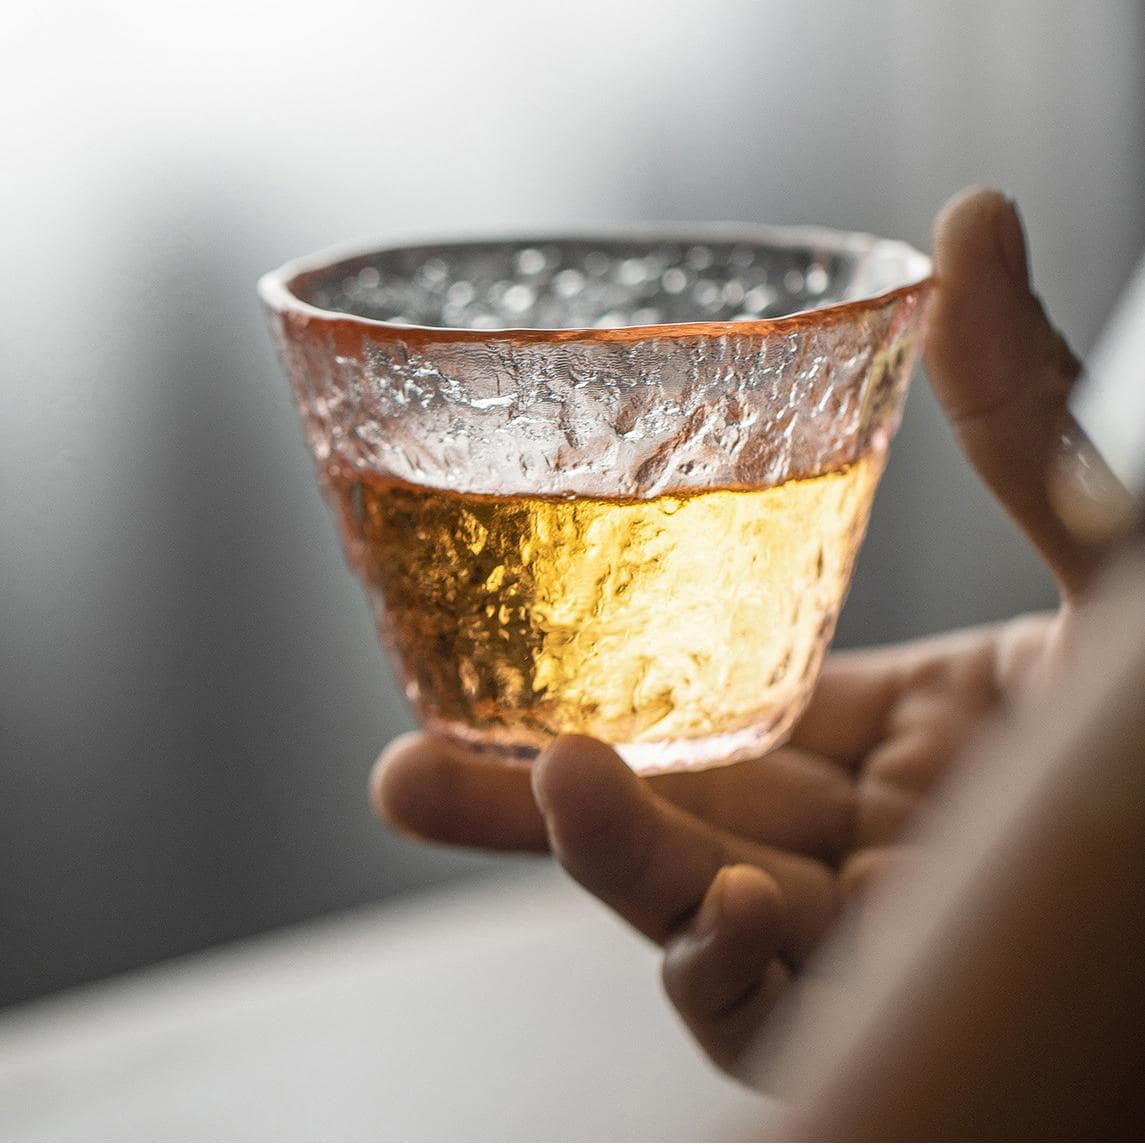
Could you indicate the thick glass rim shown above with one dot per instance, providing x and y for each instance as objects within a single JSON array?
[{"x": 281, "y": 289}]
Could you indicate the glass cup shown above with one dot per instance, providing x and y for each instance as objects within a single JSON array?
[{"x": 611, "y": 484}]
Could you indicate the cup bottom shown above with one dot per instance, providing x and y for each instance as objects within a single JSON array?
[{"x": 651, "y": 757}]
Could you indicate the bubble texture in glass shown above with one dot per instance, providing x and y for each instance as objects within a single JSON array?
[{"x": 545, "y": 452}]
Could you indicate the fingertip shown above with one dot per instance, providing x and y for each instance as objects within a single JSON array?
[
  {"x": 988, "y": 336},
  {"x": 976, "y": 231},
  {"x": 724, "y": 972},
  {"x": 584, "y": 791},
  {"x": 962, "y": 205},
  {"x": 574, "y": 771},
  {"x": 743, "y": 906},
  {"x": 740, "y": 898},
  {"x": 397, "y": 780},
  {"x": 749, "y": 899}
]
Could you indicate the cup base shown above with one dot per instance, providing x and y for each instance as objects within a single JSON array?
[{"x": 651, "y": 757}]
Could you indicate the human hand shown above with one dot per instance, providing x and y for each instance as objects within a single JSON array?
[{"x": 739, "y": 872}]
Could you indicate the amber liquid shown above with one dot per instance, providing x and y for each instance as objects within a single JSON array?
[{"x": 680, "y": 623}]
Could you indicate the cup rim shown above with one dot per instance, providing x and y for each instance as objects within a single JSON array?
[{"x": 278, "y": 289}]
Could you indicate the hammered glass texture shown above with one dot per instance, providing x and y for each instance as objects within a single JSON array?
[
  {"x": 682, "y": 409},
  {"x": 604, "y": 368}
]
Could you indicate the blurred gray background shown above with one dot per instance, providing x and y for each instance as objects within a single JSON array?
[{"x": 190, "y": 690}]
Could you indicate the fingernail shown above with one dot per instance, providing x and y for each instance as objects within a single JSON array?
[{"x": 1012, "y": 244}]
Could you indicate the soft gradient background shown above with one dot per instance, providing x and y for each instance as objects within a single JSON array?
[{"x": 190, "y": 690}]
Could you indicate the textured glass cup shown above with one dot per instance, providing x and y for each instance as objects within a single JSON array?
[{"x": 610, "y": 484}]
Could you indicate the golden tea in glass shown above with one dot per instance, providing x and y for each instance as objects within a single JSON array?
[{"x": 609, "y": 485}]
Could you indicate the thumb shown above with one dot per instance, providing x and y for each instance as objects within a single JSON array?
[{"x": 1002, "y": 373}]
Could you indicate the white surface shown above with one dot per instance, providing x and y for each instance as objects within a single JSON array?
[
  {"x": 498, "y": 1010},
  {"x": 1110, "y": 403}
]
